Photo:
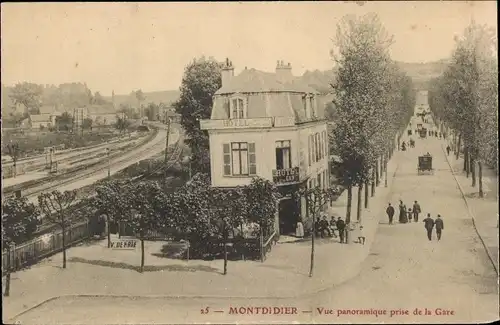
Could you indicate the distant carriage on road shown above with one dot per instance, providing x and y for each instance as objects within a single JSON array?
[
  {"x": 409, "y": 132},
  {"x": 425, "y": 164},
  {"x": 423, "y": 133}
]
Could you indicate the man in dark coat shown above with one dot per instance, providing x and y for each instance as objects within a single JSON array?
[
  {"x": 439, "y": 226},
  {"x": 390, "y": 213},
  {"x": 416, "y": 211},
  {"x": 341, "y": 229},
  {"x": 429, "y": 224},
  {"x": 448, "y": 149}
]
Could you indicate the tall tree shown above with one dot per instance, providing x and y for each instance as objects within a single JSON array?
[
  {"x": 362, "y": 57},
  {"x": 465, "y": 98},
  {"x": 202, "y": 78},
  {"x": 55, "y": 207},
  {"x": 29, "y": 95},
  {"x": 19, "y": 223}
]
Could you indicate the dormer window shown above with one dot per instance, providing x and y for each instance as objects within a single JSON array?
[
  {"x": 308, "y": 106},
  {"x": 238, "y": 108}
]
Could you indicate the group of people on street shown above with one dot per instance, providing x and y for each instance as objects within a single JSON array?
[
  {"x": 335, "y": 228},
  {"x": 406, "y": 216},
  {"x": 430, "y": 223}
]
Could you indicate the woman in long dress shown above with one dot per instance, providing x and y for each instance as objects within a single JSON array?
[
  {"x": 299, "y": 231},
  {"x": 402, "y": 212}
]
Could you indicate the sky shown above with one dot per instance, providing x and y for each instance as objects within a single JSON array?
[{"x": 129, "y": 46}]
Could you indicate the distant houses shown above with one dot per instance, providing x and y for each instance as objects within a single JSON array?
[
  {"x": 40, "y": 121},
  {"x": 99, "y": 114}
]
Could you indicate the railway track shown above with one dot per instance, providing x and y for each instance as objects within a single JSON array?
[
  {"x": 34, "y": 187},
  {"x": 30, "y": 193},
  {"x": 177, "y": 149}
]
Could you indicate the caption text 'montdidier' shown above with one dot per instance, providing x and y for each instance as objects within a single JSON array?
[{"x": 285, "y": 310}]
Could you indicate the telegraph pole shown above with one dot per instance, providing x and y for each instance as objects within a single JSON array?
[
  {"x": 167, "y": 120},
  {"x": 109, "y": 164}
]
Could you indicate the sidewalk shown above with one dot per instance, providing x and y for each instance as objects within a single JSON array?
[
  {"x": 97, "y": 270},
  {"x": 484, "y": 210}
]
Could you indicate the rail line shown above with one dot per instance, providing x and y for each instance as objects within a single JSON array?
[
  {"x": 63, "y": 178},
  {"x": 88, "y": 173},
  {"x": 46, "y": 227}
]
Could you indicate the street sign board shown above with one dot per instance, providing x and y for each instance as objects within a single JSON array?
[
  {"x": 289, "y": 175},
  {"x": 123, "y": 244}
]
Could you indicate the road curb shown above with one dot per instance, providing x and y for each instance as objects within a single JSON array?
[{"x": 469, "y": 210}]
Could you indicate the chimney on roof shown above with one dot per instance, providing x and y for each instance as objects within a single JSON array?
[
  {"x": 284, "y": 72},
  {"x": 227, "y": 72}
]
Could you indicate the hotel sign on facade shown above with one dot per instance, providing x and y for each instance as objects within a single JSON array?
[
  {"x": 236, "y": 123},
  {"x": 285, "y": 176}
]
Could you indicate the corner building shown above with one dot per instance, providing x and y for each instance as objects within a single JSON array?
[{"x": 269, "y": 125}]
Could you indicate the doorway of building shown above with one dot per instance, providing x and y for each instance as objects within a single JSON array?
[{"x": 288, "y": 216}]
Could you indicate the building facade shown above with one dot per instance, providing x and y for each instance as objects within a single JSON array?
[{"x": 269, "y": 125}]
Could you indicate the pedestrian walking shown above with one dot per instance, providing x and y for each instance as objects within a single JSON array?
[
  {"x": 448, "y": 149},
  {"x": 299, "y": 231},
  {"x": 410, "y": 215},
  {"x": 402, "y": 212},
  {"x": 439, "y": 226},
  {"x": 429, "y": 224},
  {"x": 390, "y": 213},
  {"x": 361, "y": 235},
  {"x": 416, "y": 211},
  {"x": 341, "y": 229}
]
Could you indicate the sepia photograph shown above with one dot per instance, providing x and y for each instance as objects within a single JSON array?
[{"x": 288, "y": 162}]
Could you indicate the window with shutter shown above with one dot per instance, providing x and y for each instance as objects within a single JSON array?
[
  {"x": 227, "y": 159},
  {"x": 252, "y": 159}
]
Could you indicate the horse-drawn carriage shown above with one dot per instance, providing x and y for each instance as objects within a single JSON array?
[
  {"x": 425, "y": 164},
  {"x": 423, "y": 132}
]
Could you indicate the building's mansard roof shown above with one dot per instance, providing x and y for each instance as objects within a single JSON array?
[
  {"x": 255, "y": 81},
  {"x": 272, "y": 104}
]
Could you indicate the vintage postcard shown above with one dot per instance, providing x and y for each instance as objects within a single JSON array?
[{"x": 249, "y": 162}]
